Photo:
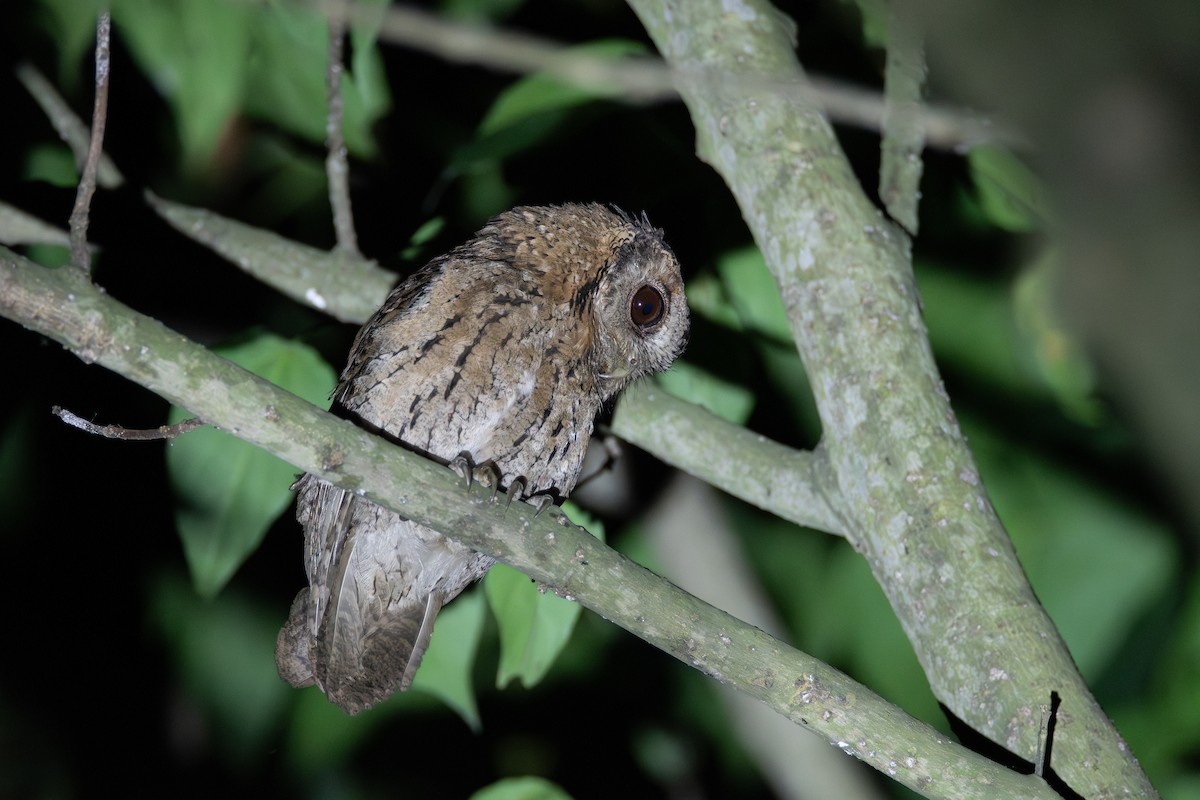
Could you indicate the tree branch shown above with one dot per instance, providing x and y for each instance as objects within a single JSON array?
[
  {"x": 640, "y": 79},
  {"x": 80, "y": 254},
  {"x": 920, "y": 514},
  {"x": 66, "y": 306},
  {"x": 337, "y": 167}
]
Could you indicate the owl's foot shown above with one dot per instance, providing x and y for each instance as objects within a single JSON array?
[{"x": 486, "y": 475}]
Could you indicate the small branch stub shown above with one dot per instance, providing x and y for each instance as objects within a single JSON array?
[{"x": 128, "y": 434}]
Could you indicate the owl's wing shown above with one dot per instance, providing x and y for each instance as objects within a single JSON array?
[{"x": 369, "y": 625}]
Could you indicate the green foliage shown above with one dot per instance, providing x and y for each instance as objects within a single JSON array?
[
  {"x": 1011, "y": 196},
  {"x": 523, "y": 116},
  {"x": 728, "y": 400},
  {"x": 534, "y": 624},
  {"x": 229, "y": 492},
  {"x": 446, "y": 669},
  {"x": 528, "y": 788},
  {"x": 213, "y": 60}
]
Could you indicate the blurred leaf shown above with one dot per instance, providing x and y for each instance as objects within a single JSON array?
[
  {"x": 52, "y": 163},
  {"x": 224, "y": 652},
  {"x": 874, "y": 20},
  {"x": 972, "y": 328},
  {"x": 422, "y": 236},
  {"x": 707, "y": 298},
  {"x": 730, "y": 401},
  {"x": 1009, "y": 193},
  {"x": 526, "y": 788},
  {"x": 534, "y": 623},
  {"x": 754, "y": 293},
  {"x": 448, "y": 664},
  {"x": 195, "y": 53},
  {"x": 542, "y": 92},
  {"x": 286, "y": 78},
  {"x": 229, "y": 492},
  {"x": 530, "y": 110},
  {"x": 1097, "y": 563},
  {"x": 214, "y": 59},
  {"x": 1165, "y": 732},
  {"x": 1057, "y": 350},
  {"x": 835, "y": 608},
  {"x": 71, "y": 25}
]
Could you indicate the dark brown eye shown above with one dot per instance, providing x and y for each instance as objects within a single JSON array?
[{"x": 646, "y": 307}]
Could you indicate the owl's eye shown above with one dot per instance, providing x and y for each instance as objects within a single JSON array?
[{"x": 646, "y": 308}]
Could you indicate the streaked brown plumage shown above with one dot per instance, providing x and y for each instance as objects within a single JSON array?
[{"x": 504, "y": 350}]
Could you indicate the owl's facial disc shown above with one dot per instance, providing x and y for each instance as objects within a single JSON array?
[{"x": 643, "y": 319}]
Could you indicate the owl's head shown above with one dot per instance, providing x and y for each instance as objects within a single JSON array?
[
  {"x": 609, "y": 285},
  {"x": 639, "y": 311}
]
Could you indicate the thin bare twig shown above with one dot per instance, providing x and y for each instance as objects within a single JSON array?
[
  {"x": 69, "y": 126},
  {"x": 128, "y": 434},
  {"x": 87, "y": 181},
  {"x": 337, "y": 169}
]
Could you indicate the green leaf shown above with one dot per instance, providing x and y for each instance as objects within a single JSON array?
[
  {"x": 195, "y": 53},
  {"x": 286, "y": 78},
  {"x": 542, "y": 92},
  {"x": 71, "y": 26},
  {"x": 52, "y": 163},
  {"x": 752, "y": 290},
  {"x": 1057, "y": 350},
  {"x": 730, "y": 401},
  {"x": 422, "y": 236},
  {"x": 534, "y": 624},
  {"x": 531, "y": 109},
  {"x": 972, "y": 327},
  {"x": 707, "y": 298},
  {"x": 448, "y": 664},
  {"x": 229, "y": 492},
  {"x": 874, "y": 21},
  {"x": 1010, "y": 194},
  {"x": 525, "y": 788},
  {"x": 214, "y": 59}
]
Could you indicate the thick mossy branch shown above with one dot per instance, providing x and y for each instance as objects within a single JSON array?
[
  {"x": 65, "y": 306},
  {"x": 920, "y": 514}
]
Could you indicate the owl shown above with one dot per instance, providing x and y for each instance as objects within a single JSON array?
[{"x": 497, "y": 355}]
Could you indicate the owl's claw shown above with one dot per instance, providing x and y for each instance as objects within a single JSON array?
[
  {"x": 516, "y": 491},
  {"x": 541, "y": 502},
  {"x": 460, "y": 465}
]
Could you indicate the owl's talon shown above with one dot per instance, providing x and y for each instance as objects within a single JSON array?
[
  {"x": 541, "y": 502},
  {"x": 460, "y": 465},
  {"x": 516, "y": 490}
]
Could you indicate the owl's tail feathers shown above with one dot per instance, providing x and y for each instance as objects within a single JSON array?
[
  {"x": 292, "y": 658},
  {"x": 385, "y": 659}
]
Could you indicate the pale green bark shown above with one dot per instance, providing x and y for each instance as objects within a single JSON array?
[{"x": 907, "y": 484}]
